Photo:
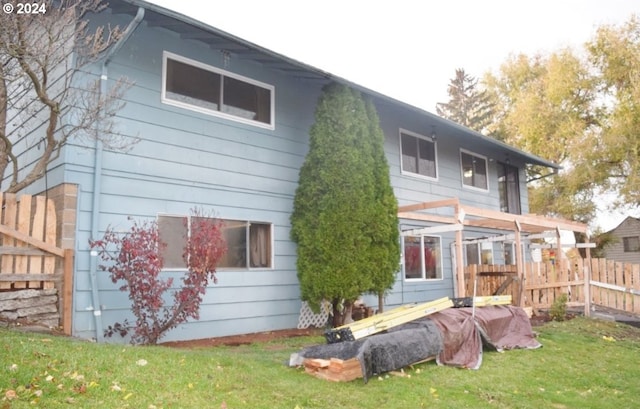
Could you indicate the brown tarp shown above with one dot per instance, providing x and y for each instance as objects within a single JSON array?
[
  {"x": 501, "y": 327},
  {"x": 455, "y": 336}
]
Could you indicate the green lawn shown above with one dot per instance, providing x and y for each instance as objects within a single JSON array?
[{"x": 583, "y": 364}]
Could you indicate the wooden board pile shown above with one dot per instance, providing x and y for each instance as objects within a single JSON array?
[{"x": 338, "y": 370}]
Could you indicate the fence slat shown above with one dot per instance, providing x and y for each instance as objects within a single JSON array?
[
  {"x": 628, "y": 297},
  {"x": 576, "y": 274},
  {"x": 563, "y": 277},
  {"x": 635, "y": 284},
  {"x": 618, "y": 277},
  {"x": 533, "y": 271},
  {"x": 9, "y": 213},
  {"x": 37, "y": 231},
  {"x": 50, "y": 236},
  {"x": 24, "y": 224},
  {"x": 601, "y": 266}
]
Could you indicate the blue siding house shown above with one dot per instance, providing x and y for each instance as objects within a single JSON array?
[{"x": 223, "y": 124}]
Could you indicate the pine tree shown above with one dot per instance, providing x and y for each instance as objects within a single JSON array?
[
  {"x": 467, "y": 105},
  {"x": 341, "y": 217}
]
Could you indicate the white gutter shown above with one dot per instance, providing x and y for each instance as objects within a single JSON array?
[{"x": 97, "y": 177}]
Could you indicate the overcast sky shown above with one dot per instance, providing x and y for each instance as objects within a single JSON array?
[{"x": 410, "y": 49}]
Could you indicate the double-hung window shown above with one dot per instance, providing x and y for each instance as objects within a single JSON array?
[
  {"x": 474, "y": 170},
  {"x": 418, "y": 154},
  {"x": 249, "y": 244},
  {"x": 200, "y": 87},
  {"x": 422, "y": 257}
]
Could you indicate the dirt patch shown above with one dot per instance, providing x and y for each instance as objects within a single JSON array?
[
  {"x": 542, "y": 317},
  {"x": 244, "y": 339}
]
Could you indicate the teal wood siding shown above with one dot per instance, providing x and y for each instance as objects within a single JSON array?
[
  {"x": 411, "y": 189},
  {"x": 186, "y": 159}
]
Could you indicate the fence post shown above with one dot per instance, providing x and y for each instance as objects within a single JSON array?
[
  {"x": 67, "y": 291},
  {"x": 587, "y": 282}
]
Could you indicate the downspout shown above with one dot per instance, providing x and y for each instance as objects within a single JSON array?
[{"x": 97, "y": 176}]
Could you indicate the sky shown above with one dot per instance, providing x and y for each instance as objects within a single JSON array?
[{"x": 410, "y": 49}]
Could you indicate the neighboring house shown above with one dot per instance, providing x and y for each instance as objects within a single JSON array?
[
  {"x": 626, "y": 241},
  {"x": 224, "y": 124}
]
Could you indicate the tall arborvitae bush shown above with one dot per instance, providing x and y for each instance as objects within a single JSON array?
[
  {"x": 341, "y": 218},
  {"x": 384, "y": 255}
]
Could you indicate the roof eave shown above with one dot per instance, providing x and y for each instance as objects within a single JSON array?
[{"x": 525, "y": 156}]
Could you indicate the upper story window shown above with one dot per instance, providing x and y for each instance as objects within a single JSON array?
[
  {"x": 249, "y": 244},
  {"x": 418, "y": 154},
  {"x": 474, "y": 170},
  {"x": 631, "y": 244},
  {"x": 193, "y": 85}
]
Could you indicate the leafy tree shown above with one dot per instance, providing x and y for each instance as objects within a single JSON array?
[
  {"x": 41, "y": 107},
  {"x": 134, "y": 258},
  {"x": 615, "y": 55},
  {"x": 467, "y": 105},
  {"x": 545, "y": 105},
  {"x": 583, "y": 114},
  {"x": 342, "y": 217}
]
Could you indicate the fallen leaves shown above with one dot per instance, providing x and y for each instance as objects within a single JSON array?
[{"x": 10, "y": 394}]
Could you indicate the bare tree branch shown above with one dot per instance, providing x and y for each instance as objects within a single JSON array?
[{"x": 43, "y": 103}]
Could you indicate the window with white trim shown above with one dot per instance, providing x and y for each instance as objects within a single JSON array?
[
  {"x": 422, "y": 257},
  {"x": 418, "y": 154},
  {"x": 249, "y": 244},
  {"x": 479, "y": 253},
  {"x": 474, "y": 170},
  {"x": 193, "y": 85}
]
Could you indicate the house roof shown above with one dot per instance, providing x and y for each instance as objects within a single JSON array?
[
  {"x": 625, "y": 221},
  {"x": 191, "y": 29}
]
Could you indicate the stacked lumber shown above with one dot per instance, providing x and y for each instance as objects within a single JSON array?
[
  {"x": 481, "y": 301},
  {"x": 386, "y": 320},
  {"x": 334, "y": 369}
]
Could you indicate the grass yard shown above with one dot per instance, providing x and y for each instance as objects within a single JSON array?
[{"x": 583, "y": 364}]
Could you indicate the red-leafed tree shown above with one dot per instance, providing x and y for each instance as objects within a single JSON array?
[{"x": 134, "y": 257}]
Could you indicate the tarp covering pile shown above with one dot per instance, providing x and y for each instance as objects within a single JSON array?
[
  {"x": 454, "y": 336},
  {"x": 500, "y": 327}
]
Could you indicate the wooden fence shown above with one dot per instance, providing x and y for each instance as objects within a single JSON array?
[
  {"x": 29, "y": 258},
  {"x": 613, "y": 284}
]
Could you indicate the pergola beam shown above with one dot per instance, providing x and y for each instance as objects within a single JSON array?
[
  {"x": 445, "y": 228},
  {"x": 487, "y": 218}
]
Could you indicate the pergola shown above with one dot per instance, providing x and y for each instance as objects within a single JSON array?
[{"x": 452, "y": 216}]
